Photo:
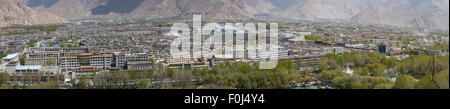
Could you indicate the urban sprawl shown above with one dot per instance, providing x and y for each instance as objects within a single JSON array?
[{"x": 99, "y": 54}]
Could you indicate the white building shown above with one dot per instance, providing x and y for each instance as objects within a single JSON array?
[
  {"x": 298, "y": 36},
  {"x": 335, "y": 50},
  {"x": 11, "y": 66},
  {"x": 87, "y": 60},
  {"x": 44, "y": 58},
  {"x": 68, "y": 63},
  {"x": 140, "y": 65},
  {"x": 11, "y": 57},
  {"x": 348, "y": 71},
  {"x": 27, "y": 69},
  {"x": 103, "y": 62},
  {"x": 121, "y": 59},
  {"x": 256, "y": 55}
]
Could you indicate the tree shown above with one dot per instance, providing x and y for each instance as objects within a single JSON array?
[
  {"x": 381, "y": 83},
  {"x": 134, "y": 75},
  {"x": 358, "y": 85},
  {"x": 383, "y": 86},
  {"x": 4, "y": 78},
  {"x": 83, "y": 82},
  {"x": 182, "y": 77},
  {"x": 16, "y": 85},
  {"x": 151, "y": 60},
  {"x": 425, "y": 83},
  {"x": 342, "y": 81},
  {"x": 385, "y": 61},
  {"x": 323, "y": 65},
  {"x": 327, "y": 76},
  {"x": 441, "y": 78},
  {"x": 376, "y": 69},
  {"x": 150, "y": 74},
  {"x": 313, "y": 37},
  {"x": 50, "y": 85},
  {"x": 31, "y": 43},
  {"x": 201, "y": 59},
  {"x": 421, "y": 65},
  {"x": 403, "y": 82},
  {"x": 2, "y": 54},
  {"x": 6, "y": 86},
  {"x": 143, "y": 84},
  {"x": 22, "y": 60}
]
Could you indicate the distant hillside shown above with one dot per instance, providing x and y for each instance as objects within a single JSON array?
[
  {"x": 69, "y": 9},
  {"x": 412, "y": 13},
  {"x": 12, "y": 13},
  {"x": 210, "y": 9},
  {"x": 79, "y": 9}
]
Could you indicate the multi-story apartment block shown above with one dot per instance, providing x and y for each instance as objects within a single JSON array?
[
  {"x": 63, "y": 52},
  {"x": 68, "y": 63},
  {"x": 86, "y": 60},
  {"x": 121, "y": 59},
  {"x": 44, "y": 58},
  {"x": 73, "y": 51},
  {"x": 100, "y": 61},
  {"x": 140, "y": 65},
  {"x": 87, "y": 72}
]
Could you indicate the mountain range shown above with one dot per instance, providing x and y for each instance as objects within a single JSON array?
[
  {"x": 12, "y": 13},
  {"x": 409, "y": 13},
  {"x": 82, "y": 9}
]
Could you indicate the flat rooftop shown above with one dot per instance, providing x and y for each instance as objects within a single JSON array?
[
  {"x": 10, "y": 56},
  {"x": 13, "y": 63},
  {"x": 26, "y": 67}
]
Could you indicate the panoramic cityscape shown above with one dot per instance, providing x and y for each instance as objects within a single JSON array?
[{"x": 314, "y": 44}]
